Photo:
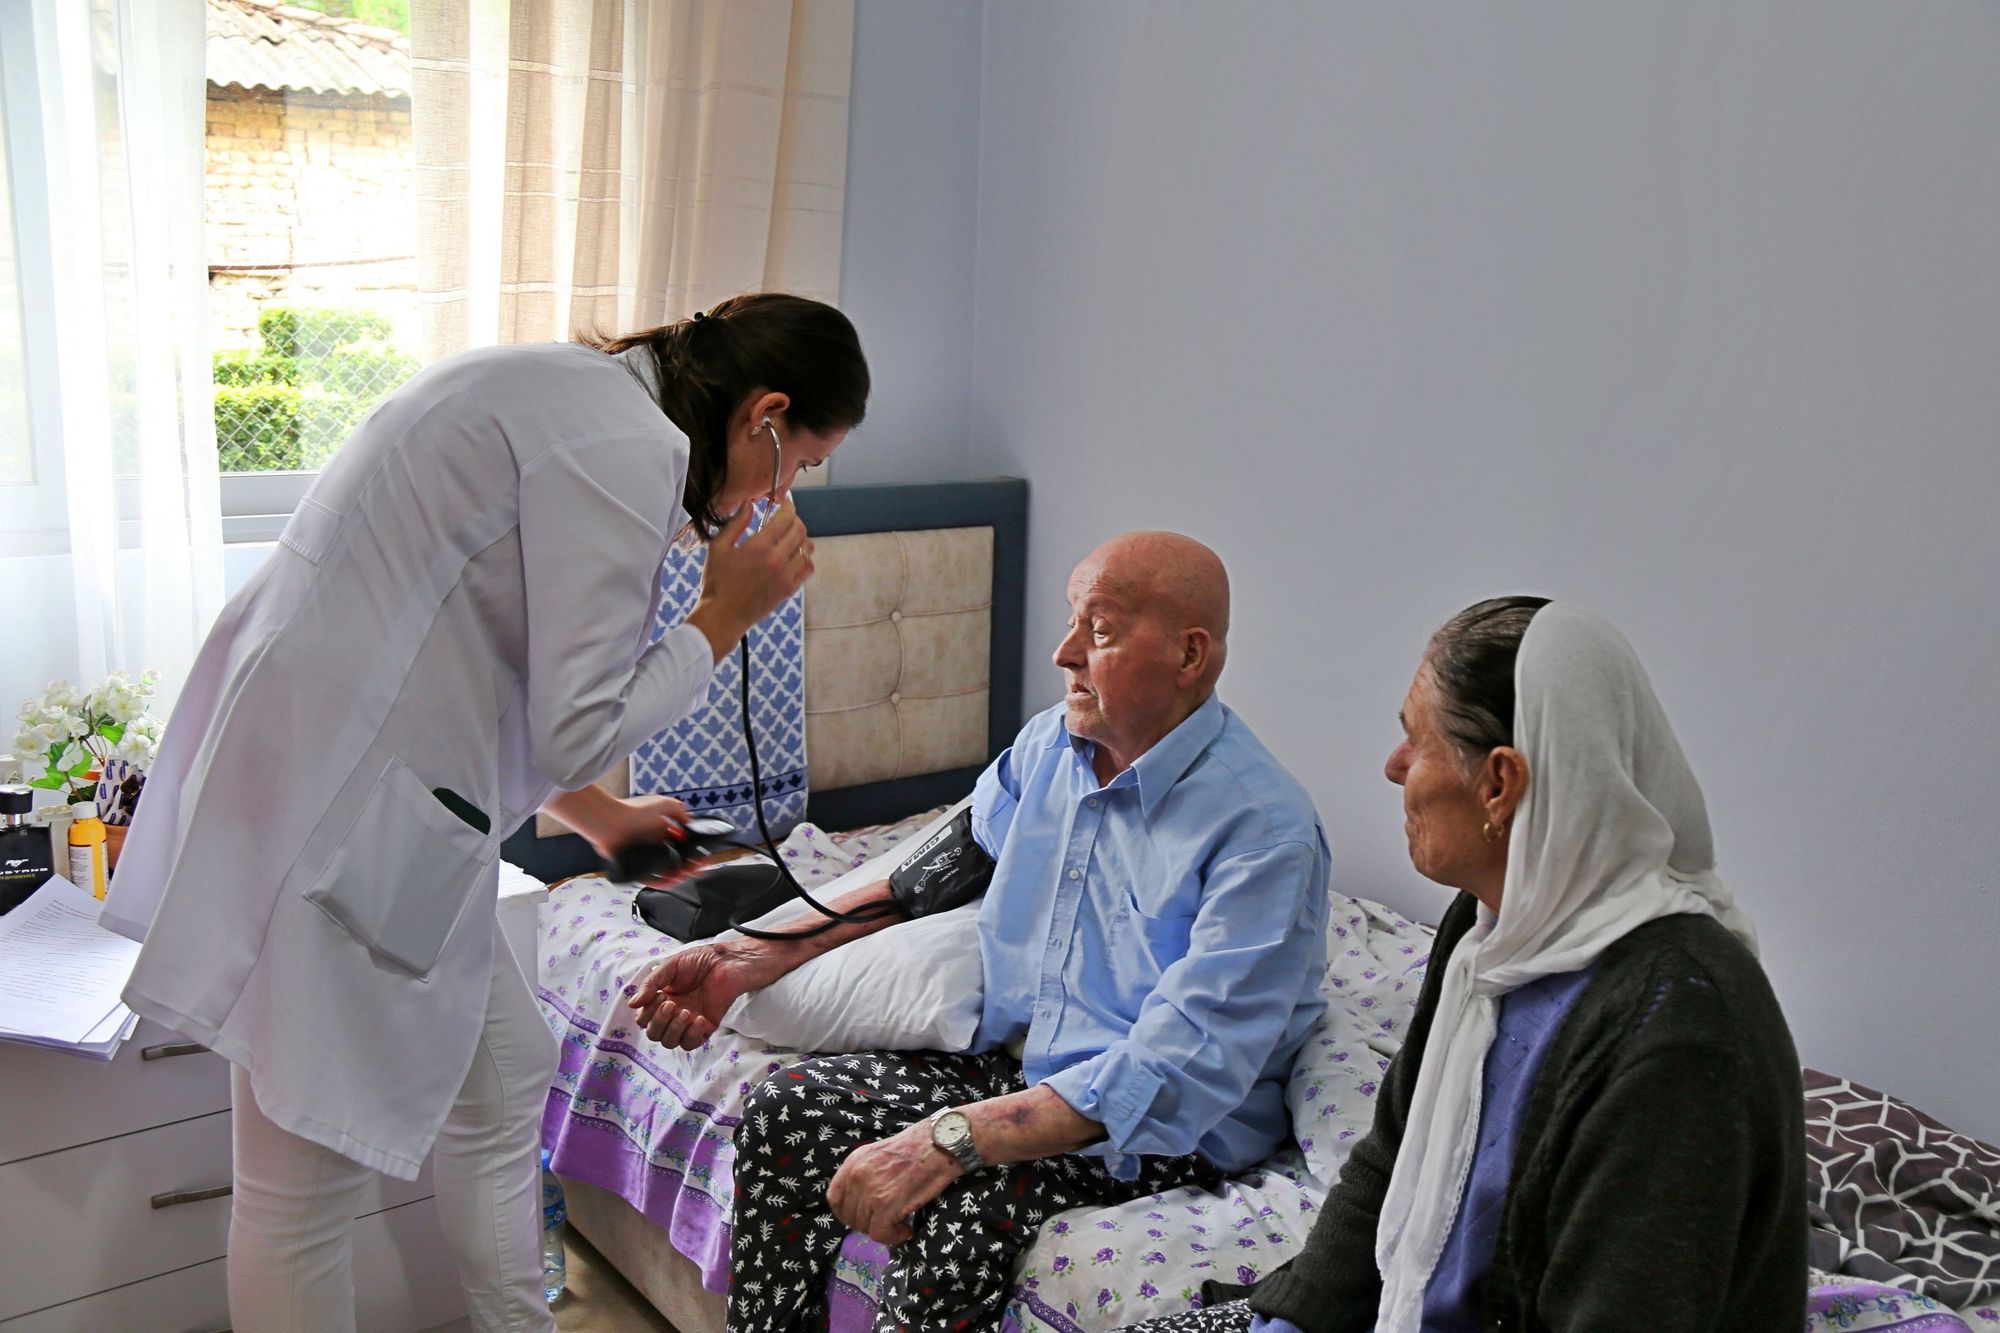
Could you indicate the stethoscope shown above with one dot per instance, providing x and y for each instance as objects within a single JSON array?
[{"x": 777, "y": 460}]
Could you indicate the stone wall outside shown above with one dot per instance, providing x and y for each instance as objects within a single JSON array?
[{"x": 316, "y": 181}]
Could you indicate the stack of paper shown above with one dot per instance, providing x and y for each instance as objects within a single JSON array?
[{"x": 61, "y": 974}]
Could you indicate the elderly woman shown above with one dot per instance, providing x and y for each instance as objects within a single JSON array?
[{"x": 1597, "y": 1120}]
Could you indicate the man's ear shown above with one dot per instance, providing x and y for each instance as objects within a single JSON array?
[{"x": 1197, "y": 649}]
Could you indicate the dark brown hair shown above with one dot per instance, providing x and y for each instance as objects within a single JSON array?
[
  {"x": 1472, "y": 658},
  {"x": 763, "y": 341}
]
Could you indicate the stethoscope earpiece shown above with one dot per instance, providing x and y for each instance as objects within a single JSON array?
[{"x": 777, "y": 459}]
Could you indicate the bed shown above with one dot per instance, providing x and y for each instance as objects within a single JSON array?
[{"x": 878, "y": 699}]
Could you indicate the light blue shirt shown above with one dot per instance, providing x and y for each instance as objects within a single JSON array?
[{"x": 1158, "y": 940}]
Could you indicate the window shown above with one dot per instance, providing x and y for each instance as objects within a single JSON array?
[
  {"x": 27, "y": 467},
  {"x": 17, "y": 456},
  {"x": 311, "y": 265}
]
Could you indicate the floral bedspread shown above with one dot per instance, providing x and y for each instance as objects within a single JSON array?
[
  {"x": 1105, "y": 1268},
  {"x": 656, "y": 1126}
]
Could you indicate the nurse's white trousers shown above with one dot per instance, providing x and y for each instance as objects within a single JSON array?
[{"x": 291, "y": 1226}]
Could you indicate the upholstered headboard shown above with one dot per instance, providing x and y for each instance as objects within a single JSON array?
[{"x": 913, "y": 650}]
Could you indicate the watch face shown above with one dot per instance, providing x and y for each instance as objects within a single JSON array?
[{"x": 953, "y": 1129}]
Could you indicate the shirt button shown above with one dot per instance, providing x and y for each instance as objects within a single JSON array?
[
  {"x": 1092, "y": 802},
  {"x": 1074, "y": 873},
  {"x": 895, "y": 697},
  {"x": 895, "y": 615}
]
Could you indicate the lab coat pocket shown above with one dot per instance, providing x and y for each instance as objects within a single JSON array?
[{"x": 401, "y": 878}]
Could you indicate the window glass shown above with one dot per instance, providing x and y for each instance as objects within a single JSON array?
[{"x": 311, "y": 267}]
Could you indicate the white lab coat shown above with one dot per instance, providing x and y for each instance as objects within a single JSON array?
[{"x": 463, "y": 601}]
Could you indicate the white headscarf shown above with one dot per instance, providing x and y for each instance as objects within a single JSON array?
[{"x": 1611, "y": 834}]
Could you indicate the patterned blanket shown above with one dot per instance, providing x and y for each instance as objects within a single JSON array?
[
  {"x": 1906, "y": 1212},
  {"x": 1899, "y": 1199}
]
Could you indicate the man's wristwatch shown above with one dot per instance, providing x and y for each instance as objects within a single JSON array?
[{"x": 952, "y": 1132}]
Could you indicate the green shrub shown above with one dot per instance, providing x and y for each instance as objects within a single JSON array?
[
  {"x": 293, "y": 404},
  {"x": 369, "y": 369},
  {"x": 242, "y": 367},
  {"x": 325, "y": 420},
  {"x": 316, "y": 331},
  {"x": 257, "y": 427}
]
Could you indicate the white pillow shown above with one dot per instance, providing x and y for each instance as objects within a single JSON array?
[{"x": 913, "y": 986}]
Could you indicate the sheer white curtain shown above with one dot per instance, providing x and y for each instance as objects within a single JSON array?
[
  {"x": 110, "y": 522},
  {"x": 614, "y": 164}
]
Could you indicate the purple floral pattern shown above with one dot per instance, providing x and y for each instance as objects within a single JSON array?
[
  {"x": 1105, "y": 1268},
  {"x": 655, "y": 1126}
]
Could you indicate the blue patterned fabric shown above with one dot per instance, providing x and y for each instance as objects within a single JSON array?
[{"x": 701, "y": 759}]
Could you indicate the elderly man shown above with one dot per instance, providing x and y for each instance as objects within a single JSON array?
[{"x": 1152, "y": 939}]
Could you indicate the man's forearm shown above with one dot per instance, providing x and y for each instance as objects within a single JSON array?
[
  {"x": 1025, "y": 1126},
  {"x": 781, "y": 956}
]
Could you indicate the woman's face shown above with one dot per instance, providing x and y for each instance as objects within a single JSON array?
[
  {"x": 1443, "y": 815},
  {"x": 758, "y": 470}
]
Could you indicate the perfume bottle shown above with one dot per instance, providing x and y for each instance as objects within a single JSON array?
[{"x": 27, "y": 853}]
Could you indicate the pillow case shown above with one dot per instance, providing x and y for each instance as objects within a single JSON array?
[
  {"x": 913, "y": 986},
  {"x": 1375, "y": 968}
]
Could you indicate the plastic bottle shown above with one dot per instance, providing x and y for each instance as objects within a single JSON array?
[
  {"x": 86, "y": 849},
  {"x": 554, "y": 1214}
]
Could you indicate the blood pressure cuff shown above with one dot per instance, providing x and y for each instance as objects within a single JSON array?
[{"x": 949, "y": 870}]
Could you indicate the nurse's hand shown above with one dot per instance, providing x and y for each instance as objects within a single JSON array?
[
  {"x": 684, "y": 999},
  {"x": 747, "y": 578},
  {"x": 625, "y": 822}
]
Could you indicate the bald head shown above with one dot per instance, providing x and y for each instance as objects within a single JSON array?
[
  {"x": 1148, "y": 615},
  {"x": 1170, "y": 576}
]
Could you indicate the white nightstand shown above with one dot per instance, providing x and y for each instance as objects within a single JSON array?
[{"x": 114, "y": 1205}]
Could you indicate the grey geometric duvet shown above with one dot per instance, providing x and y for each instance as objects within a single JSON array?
[{"x": 1898, "y": 1198}]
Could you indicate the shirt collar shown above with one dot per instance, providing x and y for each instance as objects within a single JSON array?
[{"x": 1156, "y": 771}]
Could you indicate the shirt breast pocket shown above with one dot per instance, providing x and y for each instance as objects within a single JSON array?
[
  {"x": 402, "y": 877},
  {"x": 1162, "y": 929}
]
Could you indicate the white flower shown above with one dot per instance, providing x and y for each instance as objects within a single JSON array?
[
  {"x": 53, "y": 733},
  {"x": 31, "y": 745},
  {"x": 79, "y": 725},
  {"x": 31, "y": 712},
  {"x": 136, "y": 748},
  {"x": 123, "y": 706}
]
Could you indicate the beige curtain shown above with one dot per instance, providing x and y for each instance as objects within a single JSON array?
[{"x": 610, "y": 165}]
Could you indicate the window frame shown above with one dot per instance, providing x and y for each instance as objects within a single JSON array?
[{"x": 21, "y": 102}]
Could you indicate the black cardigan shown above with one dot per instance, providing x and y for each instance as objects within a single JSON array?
[{"x": 1659, "y": 1180}]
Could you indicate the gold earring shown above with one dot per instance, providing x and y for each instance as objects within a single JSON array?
[{"x": 1493, "y": 832}]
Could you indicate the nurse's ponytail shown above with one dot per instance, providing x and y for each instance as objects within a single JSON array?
[{"x": 764, "y": 341}]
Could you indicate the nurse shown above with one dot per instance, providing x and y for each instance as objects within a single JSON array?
[{"x": 453, "y": 631}]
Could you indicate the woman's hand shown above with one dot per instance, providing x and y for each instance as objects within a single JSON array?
[
  {"x": 622, "y": 823},
  {"x": 747, "y": 578},
  {"x": 682, "y": 1002}
]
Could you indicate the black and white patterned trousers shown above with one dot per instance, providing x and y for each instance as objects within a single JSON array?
[
  {"x": 1232, "y": 1317},
  {"x": 953, "y": 1273}
]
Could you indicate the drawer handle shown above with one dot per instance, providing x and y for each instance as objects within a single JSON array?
[
  {"x": 170, "y": 1049},
  {"x": 192, "y": 1196}
]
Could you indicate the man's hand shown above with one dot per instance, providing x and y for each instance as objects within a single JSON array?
[
  {"x": 881, "y": 1184},
  {"x": 684, "y": 999}
]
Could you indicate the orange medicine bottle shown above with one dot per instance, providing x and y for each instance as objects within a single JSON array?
[{"x": 86, "y": 849}]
